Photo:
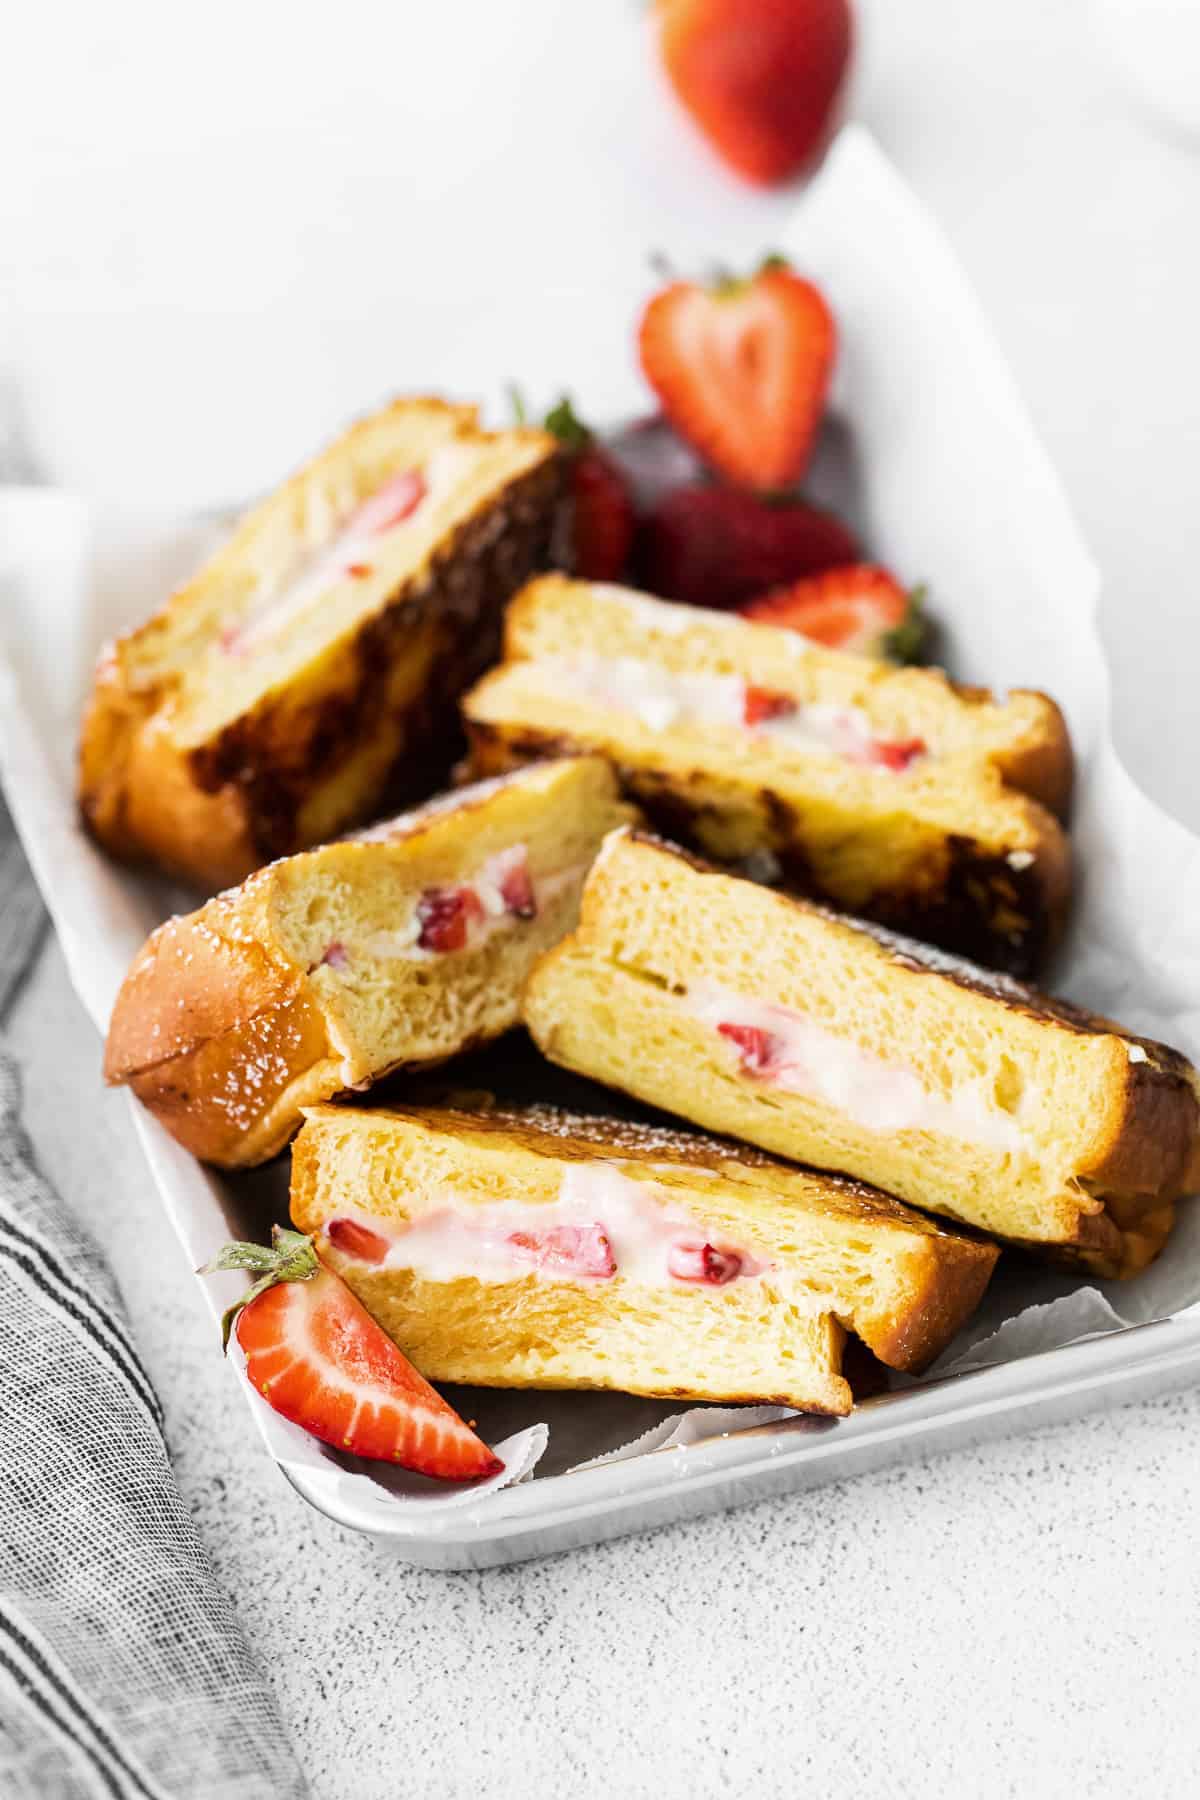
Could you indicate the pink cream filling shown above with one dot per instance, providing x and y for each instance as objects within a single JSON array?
[
  {"x": 661, "y": 699},
  {"x": 783, "y": 1049},
  {"x": 352, "y": 554},
  {"x": 603, "y": 1224}
]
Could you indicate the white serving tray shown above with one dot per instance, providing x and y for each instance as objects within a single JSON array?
[{"x": 937, "y": 463}]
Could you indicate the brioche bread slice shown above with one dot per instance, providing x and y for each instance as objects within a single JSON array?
[
  {"x": 311, "y": 668},
  {"x": 837, "y": 1044},
  {"x": 322, "y": 972},
  {"x": 538, "y": 1248},
  {"x": 888, "y": 791}
]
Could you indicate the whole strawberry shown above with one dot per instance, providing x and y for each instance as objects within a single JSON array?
[
  {"x": 718, "y": 546},
  {"x": 760, "y": 77},
  {"x": 603, "y": 515},
  {"x": 742, "y": 367}
]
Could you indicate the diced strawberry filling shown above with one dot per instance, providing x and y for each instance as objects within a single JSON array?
[
  {"x": 390, "y": 505},
  {"x": 761, "y": 703},
  {"x": 445, "y": 917},
  {"x": 567, "y": 1250},
  {"x": 703, "y": 1262},
  {"x": 516, "y": 890},
  {"x": 356, "y": 1240},
  {"x": 335, "y": 955},
  {"x": 897, "y": 755},
  {"x": 755, "y": 1045},
  {"x": 360, "y": 571}
]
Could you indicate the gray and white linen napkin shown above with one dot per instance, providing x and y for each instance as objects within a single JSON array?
[{"x": 123, "y": 1670}]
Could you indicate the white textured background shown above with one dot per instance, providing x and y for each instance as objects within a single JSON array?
[{"x": 216, "y": 229}]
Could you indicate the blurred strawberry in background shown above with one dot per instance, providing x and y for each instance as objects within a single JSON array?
[
  {"x": 720, "y": 546},
  {"x": 603, "y": 521},
  {"x": 742, "y": 366},
  {"x": 602, "y": 507},
  {"x": 760, "y": 77},
  {"x": 861, "y": 608}
]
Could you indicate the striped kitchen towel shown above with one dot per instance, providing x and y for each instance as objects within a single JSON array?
[{"x": 123, "y": 1670}]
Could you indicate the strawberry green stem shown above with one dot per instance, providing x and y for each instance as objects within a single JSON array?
[{"x": 290, "y": 1257}]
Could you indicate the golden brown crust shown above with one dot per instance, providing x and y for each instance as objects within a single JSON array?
[
  {"x": 314, "y": 756},
  {"x": 955, "y": 1282},
  {"x": 199, "y": 1009},
  {"x": 199, "y": 1096},
  {"x": 1043, "y": 767}
]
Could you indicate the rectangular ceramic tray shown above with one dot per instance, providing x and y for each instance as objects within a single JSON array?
[{"x": 933, "y": 457}]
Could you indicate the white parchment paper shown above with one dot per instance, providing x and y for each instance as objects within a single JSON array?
[{"x": 931, "y": 456}]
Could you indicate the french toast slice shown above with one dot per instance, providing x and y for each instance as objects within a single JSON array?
[
  {"x": 395, "y": 949},
  {"x": 838, "y": 1044},
  {"x": 890, "y": 792},
  {"x": 538, "y": 1248},
  {"x": 310, "y": 669}
]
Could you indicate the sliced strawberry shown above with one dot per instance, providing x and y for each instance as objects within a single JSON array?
[
  {"x": 716, "y": 546},
  {"x": 755, "y": 1045},
  {"x": 357, "y": 1240},
  {"x": 703, "y": 1262},
  {"x": 445, "y": 916},
  {"x": 516, "y": 890},
  {"x": 602, "y": 519},
  {"x": 859, "y": 608},
  {"x": 566, "y": 1250},
  {"x": 742, "y": 368},
  {"x": 318, "y": 1357},
  {"x": 762, "y": 703},
  {"x": 389, "y": 505}
]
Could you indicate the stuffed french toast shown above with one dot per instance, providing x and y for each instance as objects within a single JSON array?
[
  {"x": 889, "y": 792},
  {"x": 830, "y": 1041},
  {"x": 398, "y": 948},
  {"x": 310, "y": 670},
  {"x": 531, "y": 1247}
]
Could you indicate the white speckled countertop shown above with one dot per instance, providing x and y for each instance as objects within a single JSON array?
[{"x": 1018, "y": 1619}]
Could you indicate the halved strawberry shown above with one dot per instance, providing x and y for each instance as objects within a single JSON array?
[
  {"x": 389, "y": 505},
  {"x": 718, "y": 546},
  {"x": 860, "y": 608},
  {"x": 742, "y": 368},
  {"x": 703, "y": 1262},
  {"x": 445, "y": 916},
  {"x": 762, "y": 703},
  {"x": 567, "y": 1250},
  {"x": 755, "y": 1046},
  {"x": 357, "y": 1240},
  {"x": 602, "y": 522},
  {"x": 318, "y": 1357}
]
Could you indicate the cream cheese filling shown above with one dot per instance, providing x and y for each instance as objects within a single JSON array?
[
  {"x": 662, "y": 698},
  {"x": 490, "y": 912},
  {"x": 602, "y": 1224},
  {"x": 783, "y": 1049}
]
